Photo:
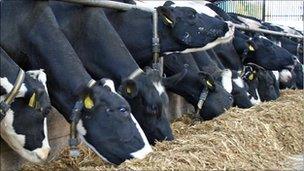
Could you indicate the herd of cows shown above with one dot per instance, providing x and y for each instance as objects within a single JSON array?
[{"x": 92, "y": 65}]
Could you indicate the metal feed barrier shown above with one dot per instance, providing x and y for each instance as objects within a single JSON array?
[{"x": 125, "y": 7}]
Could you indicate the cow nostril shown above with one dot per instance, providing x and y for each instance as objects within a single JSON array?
[
  {"x": 230, "y": 98},
  {"x": 47, "y": 110},
  {"x": 154, "y": 108}
]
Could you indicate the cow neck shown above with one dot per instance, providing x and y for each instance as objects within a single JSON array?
[
  {"x": 142, "y": 52},
  {"x": 47, "y": 47},
  {"x": 106, "y": 56}
]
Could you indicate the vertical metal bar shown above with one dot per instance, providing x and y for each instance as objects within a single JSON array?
[{"x": 263, "y": 13}]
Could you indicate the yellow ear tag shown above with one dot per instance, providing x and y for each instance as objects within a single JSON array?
[
  {"x": 251, "y": 48},
  {"x": 209, "y": 84},
  {"x": 168, "y": 20},
  {"x": 129, "y": 91},
  {"x": 251, "y": 76},
  {"x": 32, "y": 102},
  {"x": 88, "y": 103}
]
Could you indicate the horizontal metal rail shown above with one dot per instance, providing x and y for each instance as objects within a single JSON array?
[
  {"x": 247, "y": 28},
  {"x": 109, "y": 4}
]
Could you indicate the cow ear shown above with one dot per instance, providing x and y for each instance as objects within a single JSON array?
[
  {"x": 208, "y": 80},
  {"x": 129, "y": 88},
  {"x": 88, "y": 102},
  {"x": 166, "y": 16},
  {"x": 251, "y": 46},
  {"x": 168, "y": 3}
]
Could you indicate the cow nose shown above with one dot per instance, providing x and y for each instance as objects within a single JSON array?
[
  {"x": 154, "y": 108},
  {"x": 42, "y": 153},
  {"x": 230, "y": 98},
  {"x": 47, "y": 110}
]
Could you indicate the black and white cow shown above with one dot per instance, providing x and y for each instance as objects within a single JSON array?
[
  {"x": 106, "y": 123},
  {"x": 263, "y": 84},
  {"x": 24, "y": 126},
  {"x": 295, "y": 47},
  {"x": 254, "y": 49},
  {"x": 181, "y": 29},
  {"x": 289, "y": 76},
  {"x": 196, "y": 82},
  {"x": 208, "y": 61},
  {"x": 104, "y": 55}
]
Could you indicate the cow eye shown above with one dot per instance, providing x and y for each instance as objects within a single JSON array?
[{"x": 123, "y": 109}]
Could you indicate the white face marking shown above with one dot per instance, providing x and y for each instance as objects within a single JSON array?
[
  {"x": 17, "y": 141},
  {"x": 109, "y": 83},
  {"x": 43, "y": 152},
  {"x": 159, "y": 87},
  {"x": 253, "y": 100},
  {"x": 4, "y": 82},
  {"x": 227, "y": 80},
  {"x": 285, "y": 76},
  {"x": 40, "y": 75},
  {"x": 276, "y": 74},
  {"x": 140, "y": 154},
  {"x": 81, "y": 132},
  {"x": 239, "y": 82}
]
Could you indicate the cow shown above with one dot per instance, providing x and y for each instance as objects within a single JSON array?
[
  {"x": 288, "y": 76},
  {"x": 24, "y": 122},
  {"x": 230, "y": 79},
  {"x": 144, "y": 90},
  {"x": 248, "y": 48},
  {"x": 180, "y": 29},
  {"x": 295, "y": 47},
  {"x": 263, "y": 84},
  {"x": 197, "y": 83},
  {"x": 102, "y": 117}
]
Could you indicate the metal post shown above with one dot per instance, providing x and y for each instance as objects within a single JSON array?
[
  {"x": 264, "y": 10},
  {"x": 108, "y": 4},
  {"x": 243, "y": 27}
]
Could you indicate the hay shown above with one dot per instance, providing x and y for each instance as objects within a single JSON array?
[{"x": 266, "y": 136}]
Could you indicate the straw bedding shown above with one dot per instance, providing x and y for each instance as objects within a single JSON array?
[{"x": 266, "y": 136}]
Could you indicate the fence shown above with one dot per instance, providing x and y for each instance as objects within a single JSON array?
[{"x": 285, "y": 12}]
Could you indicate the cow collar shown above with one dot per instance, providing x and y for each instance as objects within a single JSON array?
[
  {"x": 75, "y": 117},
  {"x": 202, "y": 99},
  {"x": 5, "y": 105}
]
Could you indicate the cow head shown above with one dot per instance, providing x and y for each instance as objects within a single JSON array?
[
  {"x": 149, "y": 100},
  {"x": 239, "y": 90},
  {"x": 108, "y": 127},
  {"x": 184, "y": 27},
  {"x": 24, "y": 127},
  {"x": 262, "y": 83},
  {"x": 265, "y": 53},
  {"x": 292, "y": 78},
  {"x": 194, "y": 84}
]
